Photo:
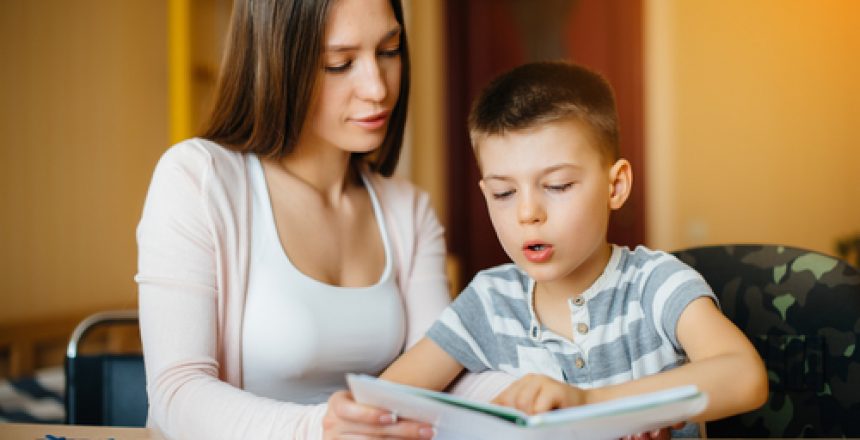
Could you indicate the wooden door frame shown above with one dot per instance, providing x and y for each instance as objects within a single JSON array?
[{"x": 605, "y": 35}]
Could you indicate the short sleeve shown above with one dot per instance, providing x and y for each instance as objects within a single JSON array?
[
  {"x": 670, "y": 288},
  {"x": 464, "y": 332}
]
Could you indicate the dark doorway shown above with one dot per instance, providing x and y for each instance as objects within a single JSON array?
[{"x": 487, "y": 37}]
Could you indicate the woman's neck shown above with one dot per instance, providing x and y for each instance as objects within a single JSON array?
[{"x": 329, "y": 172}]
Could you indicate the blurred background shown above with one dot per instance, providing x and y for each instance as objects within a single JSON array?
[{"x": 740, "y": 117}]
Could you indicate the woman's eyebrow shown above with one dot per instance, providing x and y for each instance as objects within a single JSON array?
[{"x": 347, "y": 47}]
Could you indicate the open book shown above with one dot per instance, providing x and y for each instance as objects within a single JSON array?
[{"x": 458, "y": 418}]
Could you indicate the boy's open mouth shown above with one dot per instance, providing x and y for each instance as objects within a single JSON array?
[{"x": 537, "y": 252}]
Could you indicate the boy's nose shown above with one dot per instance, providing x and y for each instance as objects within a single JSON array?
[{"x": 531, "y": 211}]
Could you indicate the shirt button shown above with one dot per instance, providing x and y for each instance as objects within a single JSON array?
[
  {"x": 582, "y": 328},
  {"x": 580, "y": 363},
  {"x": 578, "y": 301},
  {"x": 534, "y": 332}
]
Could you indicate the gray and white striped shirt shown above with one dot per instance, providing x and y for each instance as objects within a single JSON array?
[{"x": 623, "y": 325}]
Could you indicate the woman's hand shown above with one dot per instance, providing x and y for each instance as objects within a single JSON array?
[
  {"x": 536, "y": 393},
  {"x": 346, "y": 419}
]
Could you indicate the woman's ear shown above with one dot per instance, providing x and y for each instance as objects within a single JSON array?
[{"x": 620, "y": 183}]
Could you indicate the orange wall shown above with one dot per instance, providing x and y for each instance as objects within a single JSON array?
[
  {"x": 83, "y": 119},
  {"x": 753, "y": 113},
  {"x": 424, "y": 157}
]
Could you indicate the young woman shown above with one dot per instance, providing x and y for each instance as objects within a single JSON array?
[{"x": 276, "y": 253}]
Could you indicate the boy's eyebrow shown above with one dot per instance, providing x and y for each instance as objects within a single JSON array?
[
  {"x": 542, "y": 172},
  {"x": 346, "y": 48},
  {"x": 561, "y": 166}
]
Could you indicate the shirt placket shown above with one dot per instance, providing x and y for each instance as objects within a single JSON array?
[{"x": 578, "y": 371}]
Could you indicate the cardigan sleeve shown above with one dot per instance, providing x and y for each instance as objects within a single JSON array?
[
  {"x": 178, "y": 278},
  {"x": 426, "y": 296},
  {"x": 425, "y": 291}
]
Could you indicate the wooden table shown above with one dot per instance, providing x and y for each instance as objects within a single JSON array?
[{"x": 27, "y": 431}]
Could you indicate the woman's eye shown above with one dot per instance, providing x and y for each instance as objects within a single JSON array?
[
  {"x": 390, "y": 53},
  {"x": 503, "y": 195},
  {"x": 339, "y": 68},
  {"x": 559, "y": 188}
]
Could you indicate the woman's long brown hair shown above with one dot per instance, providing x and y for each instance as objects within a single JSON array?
[{"x": 271, "y": 64}]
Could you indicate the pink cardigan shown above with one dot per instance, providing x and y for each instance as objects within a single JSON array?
[{"x": 193, "y": 255}]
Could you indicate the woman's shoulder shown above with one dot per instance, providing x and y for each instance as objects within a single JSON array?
[
  {"x": 396, "y": 190},
  {"x": 203, "y": 165},
  {"x": 201, "y": 160},
  {"x": 199, "y": 151}
]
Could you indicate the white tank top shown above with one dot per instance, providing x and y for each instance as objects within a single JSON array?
[{"x": 300, "y": 335}]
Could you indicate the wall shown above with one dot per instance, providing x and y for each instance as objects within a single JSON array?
[
  {"x": 83, "y": 121},
  {"x": 424, "y": 150},
  {"x": 752, "y": 117}
]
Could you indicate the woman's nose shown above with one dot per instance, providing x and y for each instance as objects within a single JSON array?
[{"x": 371, "y": 83}]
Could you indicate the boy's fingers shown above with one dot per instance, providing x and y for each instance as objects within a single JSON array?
[
  {"x": 546, "y": 400},
  {"x": 525, "y": 399},
  {"x": 506, "y": 397}
]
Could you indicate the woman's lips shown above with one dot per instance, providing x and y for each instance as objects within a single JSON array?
[
  {"x": 537, "y": 252},
  {"x": 372, "y": 122}
]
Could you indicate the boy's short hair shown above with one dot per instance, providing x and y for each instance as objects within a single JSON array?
[{"x": 542, "y": 92}]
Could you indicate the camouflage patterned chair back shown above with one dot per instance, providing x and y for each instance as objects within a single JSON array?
[{"x": 801, "y": 309}]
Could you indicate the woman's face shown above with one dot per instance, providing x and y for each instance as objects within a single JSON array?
[{"x": 360, "y": 79}]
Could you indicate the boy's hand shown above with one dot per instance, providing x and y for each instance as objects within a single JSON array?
[{"x": 536, "y": 393}]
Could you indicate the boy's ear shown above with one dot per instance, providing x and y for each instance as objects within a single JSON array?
[{"x": 620, "y": 183}]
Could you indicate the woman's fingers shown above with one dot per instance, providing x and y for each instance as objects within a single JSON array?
[
  {"x": 403, "y": 430},
  {"x": 343, "y": 405},
  {"x": 347, "y": 419}
]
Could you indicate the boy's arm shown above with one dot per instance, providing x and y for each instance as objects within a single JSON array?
[
  {"x": 425, "y": 365},
  {"x": 723, "y": 364}
]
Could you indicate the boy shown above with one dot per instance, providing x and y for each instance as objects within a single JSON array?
[{"x": 576, "y": 319}]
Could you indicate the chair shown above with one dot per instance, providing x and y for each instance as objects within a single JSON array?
[
  {"x": 106, "y": 389},
  {"x": 801, "y": 310}
]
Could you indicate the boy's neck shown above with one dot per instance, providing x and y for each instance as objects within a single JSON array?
[{"x": 580, "y": 279}]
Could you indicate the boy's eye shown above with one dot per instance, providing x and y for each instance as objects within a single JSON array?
[
  {"x": 339, "y": 68},
  {"x": 503, "y": 194},
  {"x": 559, "y": 188}
]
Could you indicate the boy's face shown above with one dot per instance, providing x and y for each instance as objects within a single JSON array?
[{"x": 549, "y": 193}]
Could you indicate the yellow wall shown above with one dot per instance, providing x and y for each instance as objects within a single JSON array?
[
  {"x": 753, "y": 121},
  {"x": 425, "y": 145},
  {"x": 83, "y": 118}
]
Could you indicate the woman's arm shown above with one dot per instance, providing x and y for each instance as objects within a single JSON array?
[
  {"x": 178, "y": 300},
  {"x": 426, "y": 296},
  {"x": 424, "y": 282}
]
